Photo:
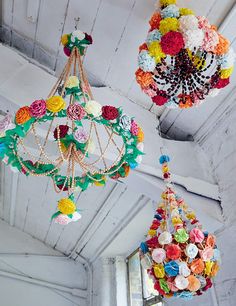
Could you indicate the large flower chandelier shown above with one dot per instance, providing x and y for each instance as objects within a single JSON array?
[
  {"x": 179, "y": 256},
  {"x": 69, "y": 136},
  {"x": 184, "y": 59}
]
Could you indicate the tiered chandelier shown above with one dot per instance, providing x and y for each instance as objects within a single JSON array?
[
  {"x": 184, "y": 59},
  {"x": 69, "y": 136},
  {"x": 179, "y": 256}
]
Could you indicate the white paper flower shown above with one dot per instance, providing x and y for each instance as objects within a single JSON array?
[
  {"x": 93, "y": 108},
  {"x": 181, "y": 282},
  {"x": 159, "y": 255},
  {"x": 191, "y": 250},
  {"x": 193, "y": 39},
  {"x": 76, "y": 216},
  {"x": 165, "y": 238},
  {"x": 184, "y": 269},
  {"x": 78, "y": 34},
  {"x": 188, "y": 22}
]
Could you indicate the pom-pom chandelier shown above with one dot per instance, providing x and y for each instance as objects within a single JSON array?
[
  {"x": 179, "y": 256},
  {"x": 184, "y": 59},
  {"x": 57, "y": 137}
]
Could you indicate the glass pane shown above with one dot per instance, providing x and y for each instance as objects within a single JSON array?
[{"x": 135, "y": 281}]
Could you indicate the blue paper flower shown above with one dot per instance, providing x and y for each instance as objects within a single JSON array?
[
  {"x": 185, "y": 295},
  {"x": 170, "y": 11},
  {"x": 146, "y": 62},
  {"x": 144, "y": 247},
  {"x": 133, "y": 165},
  {"x": 164, "y": 159},
  {"x": 172, "y": 268},
  {"x": 2, "y": 148},
  {"x": 154, "y": 35}
]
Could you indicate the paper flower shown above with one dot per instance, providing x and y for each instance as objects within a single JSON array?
[
  {"x": 144, "y": 78},
  {"x": 206, "y": 254},
  {"x": 181, "y": 235},
  {"x": 159, "y": 270},
  {"x": 61, "y": 131},
  {"x": 172, "y": 42},
  {"x": 134, "y": 128},
  {"x": 75, "y": 112},
  {"x": 222, "y": 83},
  {"x": 62, "y": 219},
  {"x": 188, "y": 22},
  {"x": 185, "y": 11},
  {"x": 173, "y": 251},
  {"x": 211, "y": 40},
  {"x": 193, "y": 283},
  {"x": 72, "y": 81},
  {"x": 77, "y": 34},
  {"x": 223, "y": 45},
  {"x": 155, "y": 21},
  {"x": 81, "y": 135},
  {"x": 140, "y": 134},
  {"x": 6, "y": 124},
  {"x": 125, "y": 122},
  {"x": 23, "y": 115},
  {"x": 165, "y": 238},
  {"x": 211, "y": 241},
  {"x": 154, "y": 35},
  {"x": 172, "y": 268},
  {"x": 55, "y": 104},
  {"x": 110, "y": 112},
  {"x": 66, "y": 206},
  {"x": 146, "y": 62},
  {"x": 203, "y": 23},
  {"x": 197, "y": 266},
  {"x": 196, "y": 235},
  {"x": 167, "y": 2},
  {"x": 156, "y": 51},
  {"x": 38, "y": 109},
  {"x": 164, "y": 285},
  {"x": 93, "y": 108},
  {"x": 191, "y": 250},
  {"x": 226, "y": 73},
  {"x": 181, "y": 282},
  {"x": 202, "y": 281},
  {"x": 159, "y": 255},
  {"x": 168, "y": 24},
  {"x": 170, "y": 11},
  {"x": 193, "y": 38},
  {"x": 160, "y": 99},
  {"x": 216, "y": 255},
  {"x": 184, "y": 269}
]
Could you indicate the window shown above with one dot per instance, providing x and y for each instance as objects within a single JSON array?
[{"x": 141, "y": 291}]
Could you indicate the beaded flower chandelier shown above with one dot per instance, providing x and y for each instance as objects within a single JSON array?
[
  {"x": 69, "y": 136},
  {"x": 179, "y": 256},
  {"x": 184, "y": 59}
]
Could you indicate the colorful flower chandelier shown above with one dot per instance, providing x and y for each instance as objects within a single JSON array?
[
  {"x": 57, "y": 137},
  {"x": 179, "y": 256},
  {"x": 184, "y": 59}
]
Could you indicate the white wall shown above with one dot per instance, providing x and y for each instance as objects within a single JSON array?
[{"x": 33, "y": 274}]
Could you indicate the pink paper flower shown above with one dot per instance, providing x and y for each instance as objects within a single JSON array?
[
  {"x": 206, "y": 254},
  {"x": 62, "y": 219},
  {"x": 6, "y": 124},
  {"x": 75, "y": 112},
  {"x": 211, "y": 40},
  {"x": 196, "y": 235},
  {"x": 134, "y": 128},
  {"x": 81, "y": 135},
  {"x": 38, "y": 109}
]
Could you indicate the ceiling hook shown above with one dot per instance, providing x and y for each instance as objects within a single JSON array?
[{"x": 76, "y": 22}]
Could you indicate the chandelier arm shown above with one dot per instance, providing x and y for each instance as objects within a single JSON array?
[
  {"x": 100, "y": 146},
  {"x": 113, "y": 141}
]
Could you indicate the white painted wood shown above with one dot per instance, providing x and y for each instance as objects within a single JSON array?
[{"x": 32, "y": 10}]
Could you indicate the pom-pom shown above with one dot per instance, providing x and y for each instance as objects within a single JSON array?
[
  {"x": 167, "y": 2},
  {"x": 221, "y": 83},
  {"x": 211, "y": 40},
  {"x": 146, "y": 62},
  {"x": 159, "y": 100},
  {"x": 223, "y": 45},
  {"x": 66, "y": 206},
  {"x": 170, "y": 11},
  {"x": 168, "y": 24},
  {"x": 189, "y": 22},
  {"x": 193, "y": 39},
  {"x": 144, "y": 78},
  {"x": 156, "y": 51},
  {"x": 164, "y": 159},
  {"x": 172, "y": 43},
  {"x": 226, "y": 73},
  {"x": 154, "y": 35},
  {"x": 155, "y": 21},
  {"x": 185, "y": 11}
]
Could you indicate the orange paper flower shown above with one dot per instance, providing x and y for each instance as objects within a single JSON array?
[
  {"x": 143, "y": 47},
  {"x": 223, "y": 45},
  {"x": 211, "y": 240},
  {"x": 197, "y": 266},
  {"x": 144, "y": 78},
  {"x": 140, "y": 135},
  {"x": 23, "y": 115},
  {"x": 194, "y": 283},
  {"x": 215, "y": 269},
  {"x": 155, "y": 21}
]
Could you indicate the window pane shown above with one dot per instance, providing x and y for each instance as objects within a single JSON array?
[{"x": 135, "y": 281}]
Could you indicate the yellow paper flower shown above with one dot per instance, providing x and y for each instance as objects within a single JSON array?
[
  {"x": 72, "y": 81},
  {"x": 167, "y": 2},
  {"x": 156, "y": 51},
  {"x": 168, "y": 24},
  {"x": 185, "y": 11},
  {"x": 165, "y": 169},
  {"x": 93, "y": 108},
  {"x": 140, "y": 135},
  {"x": 55, "y": 104},
  {"x": 208, "y": 267},
  {"x": 152, "y": 233},
  {"x": 190, "y": 215},
  {"x": 66, "y": 206},
  {"x": 226, "y": 73},
  {"x": 176, "y": 221},
  {"x": 159, "y": 270},
  {"x": 64, "y": 39}
]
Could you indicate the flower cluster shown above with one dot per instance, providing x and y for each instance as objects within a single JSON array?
[
  {"x": 180, "y": 49},
  {"x": 66, "y": 213},
  {"x": 77, "y": 39},
  {"x": 180, "y": 258}
]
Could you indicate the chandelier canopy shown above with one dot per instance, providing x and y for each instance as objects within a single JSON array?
[
  {"x": 69, "y": 136},
  {"x": 184, "y": 59},
  {"x": 179, "y": 256}
]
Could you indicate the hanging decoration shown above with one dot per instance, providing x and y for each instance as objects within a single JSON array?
[
  {"x": 179, "y": 256},
  {"x": 69, "y": 136},
  {"x": 184, "y": 59}
]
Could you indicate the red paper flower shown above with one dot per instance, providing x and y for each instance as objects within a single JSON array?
[
  {"x": 153, "y": 242},
  {"x": 61, "y": 187},
  {"x": 208, "y": 284},
  {"x": 63, "y": 130},
  {"x": 222, "y": 83},
  {"x": 173, "y": 251},
  {"x": 172, "y": 42},
  {"x": 89, "y": 38},
  {"x": 159, "y": 100},
  {"x": 158, "y": 288},
  {"x": 110, "y": 112}
]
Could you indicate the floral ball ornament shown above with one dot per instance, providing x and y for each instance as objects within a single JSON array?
[
  {"x": 176, "y": 61},
  {"x": 179, "y": 257},
  {"x": 77, "y": 39}
]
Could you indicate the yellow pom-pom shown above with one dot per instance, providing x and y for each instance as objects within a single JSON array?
[
  {"x": 226, "y": 73},
  {"x": 66, "y": 206},
  {"x": 159, "y": 270},
  {"x": 168, "y": 24},
  {"x": 55, "y": 104},
  {"x": 185, "y": 11},
  {"x": 167, "y": 2},
  {"x": 165, "y": 169},
  {"x": 64, "y": 39},
  {"x": 152, "y": 233},
  {"x": 156, "y": 51}
]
